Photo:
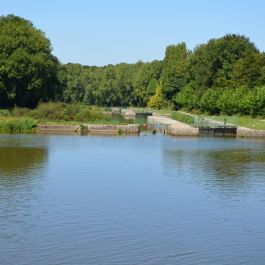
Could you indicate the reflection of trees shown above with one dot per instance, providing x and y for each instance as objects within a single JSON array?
[
  {"x": 233, "y": 170},
  {"x": 228, "y": 169},
  {"x": 230, "y": 165},
  {"x": 20, "y": 160}
]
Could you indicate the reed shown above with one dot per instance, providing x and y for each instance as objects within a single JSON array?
[{"x": 17, "y": 125}]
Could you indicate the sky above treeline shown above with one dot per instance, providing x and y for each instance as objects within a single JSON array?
[{"x": 101, "y": 32}]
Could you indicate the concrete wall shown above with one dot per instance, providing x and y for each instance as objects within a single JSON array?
[
  {"x": 90, "y": 128},
  {"x": 246, "y": 132},
  {"x": 182, "y": 131}
]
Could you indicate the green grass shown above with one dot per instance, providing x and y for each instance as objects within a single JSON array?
[
  {"x": 72, "y": 114},
  {"x": 20, "y": 120},
  {"x": 252, "y": 123},
  {"x": 63, "y": 122},
  {"x": 183, "y": 117},
  {"x": 248, "y": 122},
  {"x": 17, "y": 125},
  {"x": 243, "y": 121}
]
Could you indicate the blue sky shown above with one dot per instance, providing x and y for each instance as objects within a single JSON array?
[{"x": 100, "y": 32}]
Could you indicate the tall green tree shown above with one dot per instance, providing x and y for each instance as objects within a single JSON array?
[
  {"x": 146, "y": 73},
  {"x": 28, "y": 71},
  {"x": 249, "y": 71},
  {"x": 211, "y": 64},
  {"x": 174, "y": 75}
]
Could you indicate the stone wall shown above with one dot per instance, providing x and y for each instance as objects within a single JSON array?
[
  {"x": 91, "y": 128},
  {"x": 246, "y": 132}
]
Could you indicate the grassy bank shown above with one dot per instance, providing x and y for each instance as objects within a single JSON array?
[
  {"x": 19, "y": 120},
  {"x": 183, "y": 117},
  {"x": 252, "y": 123},
  {"x": 62, "y": 113},
  {"x": 17, "y": 125},
  {"x": 243, "y": 121}
]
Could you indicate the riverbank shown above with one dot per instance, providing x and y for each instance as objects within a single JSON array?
[
  {"x": 64, "y": 118},
  {"x": 67, "y": 118},
  {"x": 193, "y": 123}
]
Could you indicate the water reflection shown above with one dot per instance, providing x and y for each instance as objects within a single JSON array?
[
  {"x": 231, "y": 165},
  {"x": 17, "y": 160},
  {"x": 21, "y": 158},
  {"x": 131, "y": 200},
  {"x": 230, "y": 169}
]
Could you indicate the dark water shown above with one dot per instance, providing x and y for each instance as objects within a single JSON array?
[{"x": 131, "y": 200}]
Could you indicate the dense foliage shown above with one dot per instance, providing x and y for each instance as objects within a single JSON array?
[
  {"x": 225, "y": 75},
  {"x": 28, "y": 70}
]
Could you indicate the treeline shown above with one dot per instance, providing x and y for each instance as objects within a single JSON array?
[
  {"x": 225, "y": 75},
  {"x": 112, "y": 85}
]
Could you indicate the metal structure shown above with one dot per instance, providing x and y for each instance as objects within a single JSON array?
[{"x": 214, "y": 128}]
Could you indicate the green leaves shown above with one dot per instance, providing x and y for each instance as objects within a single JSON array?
[
  {"x": 174, "y": 75},
  {"x": 224, "y": 75},
  {"x": 28, "y": 71},
  {"x": 157, "y": 101}
]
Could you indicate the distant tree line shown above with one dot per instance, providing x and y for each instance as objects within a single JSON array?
[{"x": 225, "y": 75}]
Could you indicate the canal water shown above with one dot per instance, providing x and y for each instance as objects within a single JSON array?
[{"x": 131, "y": 200}]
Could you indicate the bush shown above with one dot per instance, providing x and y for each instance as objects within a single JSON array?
[
  {"x": 68, "y": 112},
  {"x": 50, "y": 111},
  {"x": 189, "y": 97},
  {"x": 258, "y": 105},
  {"x": 20, "y": 112},
  {"x": 4, "y": 112},
  {"x": 210, "y": 101},
  {"x": 157, "y": 101}
]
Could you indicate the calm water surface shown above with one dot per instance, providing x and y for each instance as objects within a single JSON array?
[{"x": 131, "y": 200}]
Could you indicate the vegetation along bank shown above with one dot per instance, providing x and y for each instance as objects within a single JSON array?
[{"x": 225, "y": 76}]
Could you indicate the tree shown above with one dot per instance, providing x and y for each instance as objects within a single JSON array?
[
  {"x": 151, "y": 88},
  {"x": 174, "y": 75},
  {"x": 248, "y": 71},
  {"x": 210, "y": 101},
  {"x": 28, "y": 70},
  {"x": 70, "y": 78},
  {"x": 189, "y": 97},
  {"x": 212, "y": 64},
  {"x": 157, "y": 101},
  {"x": 146, "y": 73}
]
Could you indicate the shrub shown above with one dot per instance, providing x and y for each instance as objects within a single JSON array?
[
  {"x": 210, "y": 101},
  {"x": 4, "y": 112},
  {"x": 189, "y": 97},
  {"x": 20, "y": 112},
  {"x": 50, "y": 111},
  {"x": 157, "y": 101}
]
